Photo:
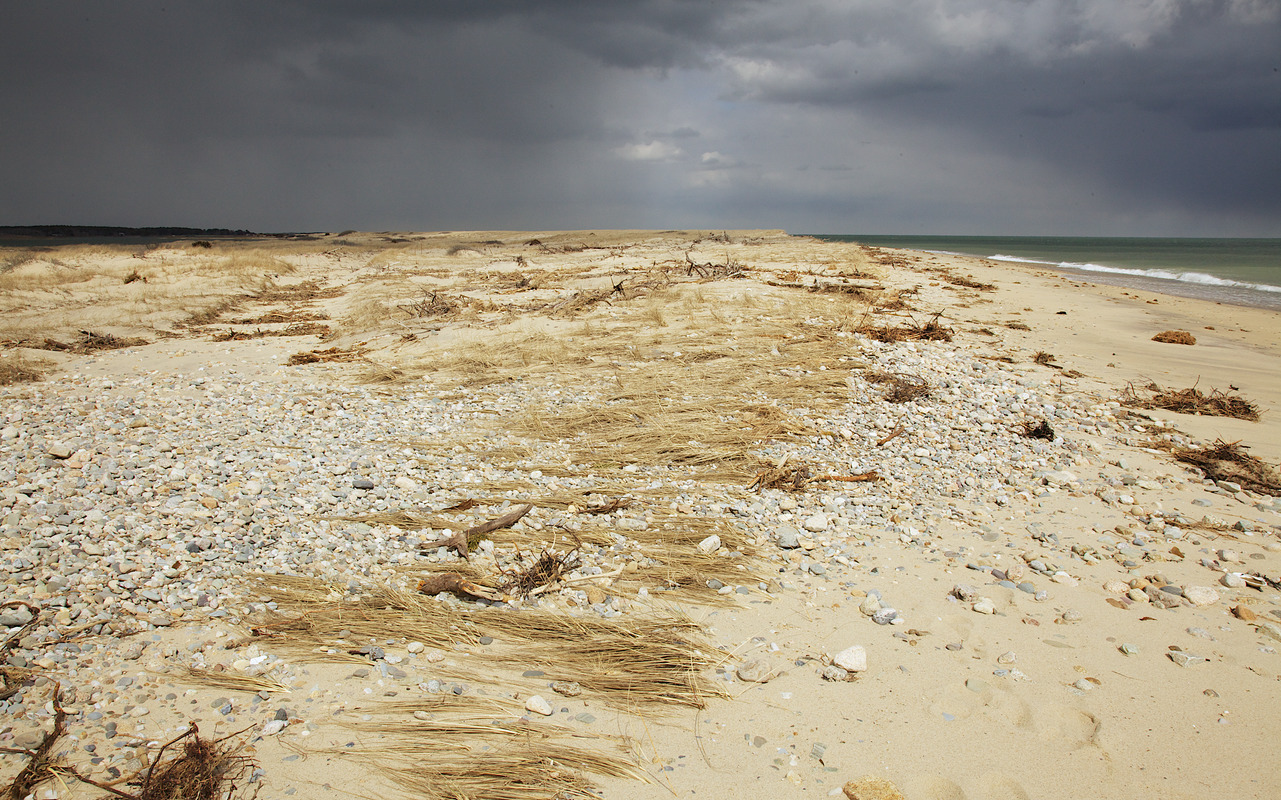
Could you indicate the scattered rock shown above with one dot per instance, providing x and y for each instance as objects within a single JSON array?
[
  {"x": 984, "y": 606},
  {"x": 816, "y": 523},
  {"x": 1201, "y": 595},
  {"x": 710, "y": 545},
  {"x": 851, "y": 659},
  {"x": 567, "y": 688},
  {"x": 537, "y": 705}
]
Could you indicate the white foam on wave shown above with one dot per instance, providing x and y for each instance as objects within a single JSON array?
[{"x": 1159, "y": 274}]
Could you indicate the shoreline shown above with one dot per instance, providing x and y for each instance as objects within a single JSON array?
[
  {"x": 1120, "y": 262},
  {"x": 991, "y": 616}
]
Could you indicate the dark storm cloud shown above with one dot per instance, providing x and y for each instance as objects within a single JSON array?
[{"x": 1080, "y": 116}]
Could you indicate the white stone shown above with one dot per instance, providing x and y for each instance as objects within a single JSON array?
[
  {"x": 415, "y": 647},
  {"x": 710, "y": 545},
  {"x": 1233, "y": 580},
  {"x": 273, "y": 727},
  {"x": 815, "y": 523},
  {"x": 408, "y": 484},
  {"x": 852, "y": 659},
  {"x": 984, "y": 606},
  {"x": 1201, "y": 595},
  {"x": 538, "y": 705}
]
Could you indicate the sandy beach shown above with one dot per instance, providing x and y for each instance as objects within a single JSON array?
[{"x": 800, "y": 515}]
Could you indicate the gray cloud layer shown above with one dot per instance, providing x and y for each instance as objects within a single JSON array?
[{"x": 959, "y": 116}]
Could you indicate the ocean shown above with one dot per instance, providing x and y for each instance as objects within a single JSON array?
[{"x": 1237, "y": 271}]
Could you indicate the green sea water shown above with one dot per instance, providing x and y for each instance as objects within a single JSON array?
[{"x": 1237, "y": 271}]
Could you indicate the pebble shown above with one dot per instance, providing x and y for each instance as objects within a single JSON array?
[
  {"x": 984, "y": 606},
  {"x": 710, "y": 545},
  {"x": 852, "y": 659},
  {"x": 567, "y": 688},
  {"x": 1185, "y": 659},
  {"x": 1233, "y": 580},
  {"x": 885, "y": 616},
  {"x": 1201, "y": 595},
  {"x": 537, "y": 705},
  {"x": 816, "y": 523}
]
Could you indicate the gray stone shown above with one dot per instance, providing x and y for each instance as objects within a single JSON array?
[
  {"x": 788, "y": 537},
  {"x": 1185, "y": 659},
  {"x": 885, "y": 616}
]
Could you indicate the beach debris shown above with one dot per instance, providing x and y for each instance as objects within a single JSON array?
[
  {"x": 17, "y": 368},
  {"x": 1192, "y": 401},
  {"x": 549, "y": 569},
  {"x": 1228, "y": 461},
  {"x": 438, "y": 582},
  {"x": 902, "y": 387},
  {"x": 463, "y": 541},
  {"x": 39, "y": 766},
  {"x": 1175, "y": 337},
  {"x": 204, "y": 769},
  {"x": 329, "y": 355},
  {"x": 89, "y": 342},
  {"x": 1045, "y": 359},
  {"x": 1039, "y": 430},
  {"x": 912, "y": 331},
  {"x": 795, "y": 477}
]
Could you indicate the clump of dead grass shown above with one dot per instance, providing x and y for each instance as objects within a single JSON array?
[
  {"x": 89, "y": 342},
  {"x": 1228, "y": 461},
  {"x": 911, "y": 331},
  {"x": 1175, "y": 337},
  {"x": 1192, "y": 401},
  {"x": 17, "y": 368},
  {"x": 902, "y": 387},
  {"x": 1038, "y": 430},
  {"x": 326, "y": 356},
  {"x": 203, "y": 769}
]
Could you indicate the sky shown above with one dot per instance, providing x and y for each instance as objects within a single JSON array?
[{"x": 984, "y": 117}]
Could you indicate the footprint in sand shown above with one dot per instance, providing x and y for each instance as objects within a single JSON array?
[
  {"x": 990, "y": 786},
  {"x": 1076, "y": 727},
  {"x": 931, "y": 787},
  {"x": 995, "y": 786},
  {"x": 959, "y": 701}
]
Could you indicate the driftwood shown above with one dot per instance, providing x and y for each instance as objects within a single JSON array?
[
  {"x": 454, "y": 582},
  {"x": 797, "y": 477},
  {"x": 463, "y": 541}
]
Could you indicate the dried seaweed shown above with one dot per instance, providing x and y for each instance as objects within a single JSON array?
[
  {"x": 549, "y": 569},
  {"x": 1192, "y": 401},
  {"x": 1175, "y": 337},
  {"x": 1038, "y": 430},
  {"x": 1228, "y": 461},
  {"x": 931, "y": 331},
  {"x": 331, "y": 354},
  {"x": 902, "y": 387},
  {"x": 90, "y": 342}
]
